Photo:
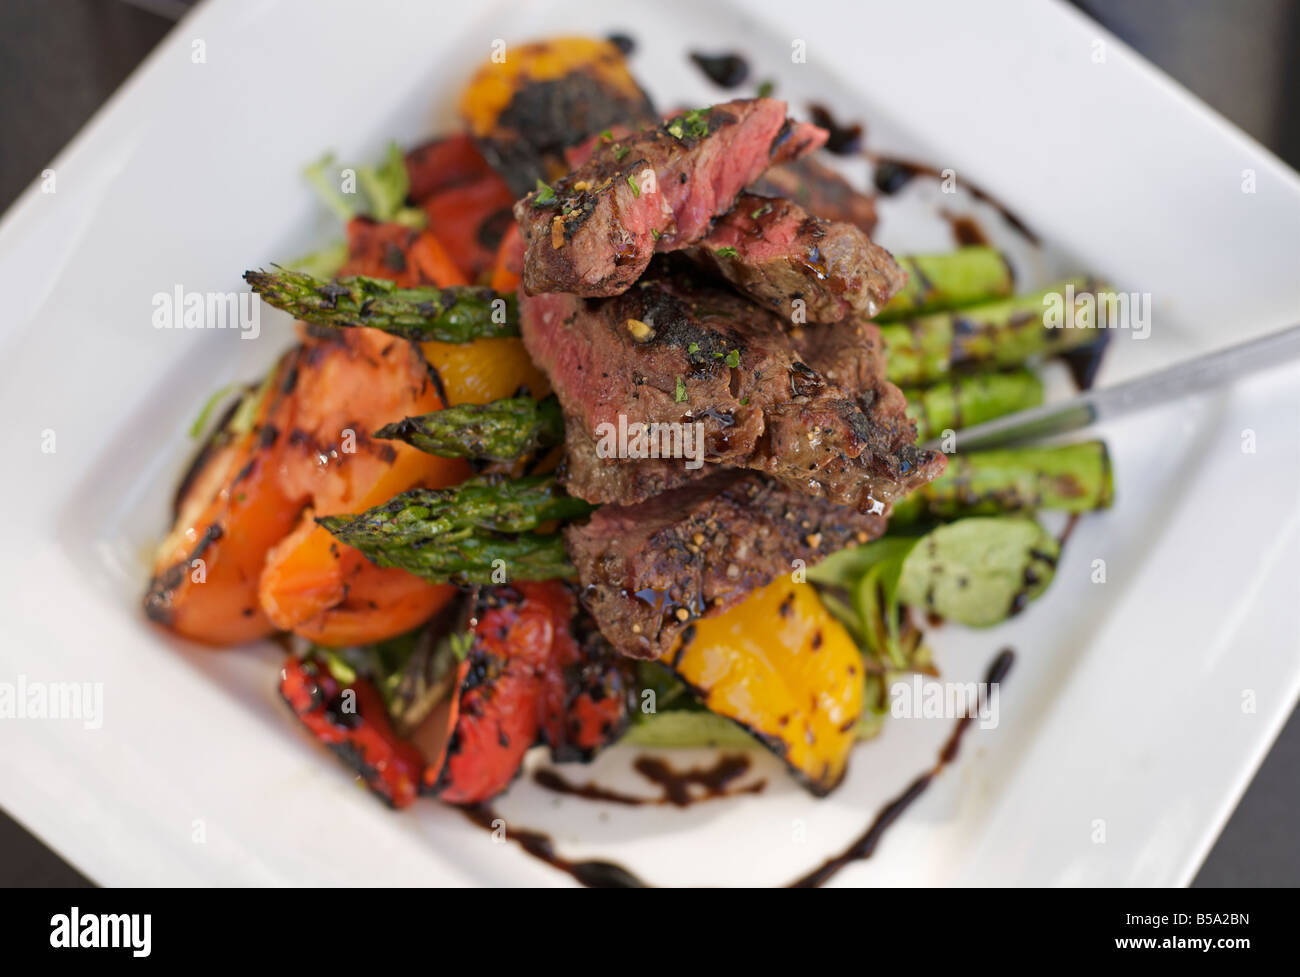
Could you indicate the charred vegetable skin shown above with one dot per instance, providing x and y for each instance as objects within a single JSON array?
[
  {"x": 456, "y": 314},
  {"x": 504, "y": 430},
  {"x": 355, "y": 727},
  {"x": 456, "y": 535},
  {"x": 526, "y": 679},
  {"x": 230, "y": 510},
  {"x": 989, "y": 336},
  {"x": 546, "y": 97},
  {"x": 531, "y": 672}
]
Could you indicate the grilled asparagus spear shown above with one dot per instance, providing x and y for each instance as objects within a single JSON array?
[
  {"x": 949, "y": 281},
  {"x": 458, "y": 534},
  {"x": 963, "y": 401},
  {"x": 1068, "y": 478},
  {"x": 458, "y": 314},
  {"x": 999, "y": 334},
  {"x": 504, "y": 430}
]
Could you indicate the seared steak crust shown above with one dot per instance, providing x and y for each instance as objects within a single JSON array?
[
  {"x": 781, "y": 256},
  {"x": 648, "y": 570},
  {"x": 595, "y": 231},
  {"x": 809, "y": 407}
]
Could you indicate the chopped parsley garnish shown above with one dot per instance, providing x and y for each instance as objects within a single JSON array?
[
  {"x": 631, "y": 182},
  {"x": 692, "y": 125},
  {"x": 760, "y": 211},
  {"x": 607, "y": 136},
  {"x": 733, "y": 359},
  {"x": 766, "y": 87},
  {"x": 621, "y": 151},
  {"x": 693, "y": 348},
  {"x": 679, "y": 394},
  {"x": 461, "y": 642},
  {"x": 727, "y": 252},
  {"x": 545, "y": 195}
]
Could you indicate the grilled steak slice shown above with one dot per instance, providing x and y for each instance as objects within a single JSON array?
[
  {"x": 807, "y": 406},
  {"x": 613, "y": 479},
  {"x": 648, "y": 570},
  {"x": 595, "y": 231},
  {"x": 781, "y": 256},
  {"x": 819, "y": 190}
]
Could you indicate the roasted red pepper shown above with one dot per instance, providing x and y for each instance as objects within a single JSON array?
[
  {"x": 526, "y": 679},
  {"x": 399, "y": 253},
  {"x": 357, "y": 730},
  {"x": 441, "y": 164},
  {"x": 472, "y": 220},
  {"x": 598, "y": 688}
]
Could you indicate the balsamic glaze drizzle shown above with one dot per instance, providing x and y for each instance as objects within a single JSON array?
[
  {"x": 892, "y": 174},
  {"x": 865, "y": 845}
]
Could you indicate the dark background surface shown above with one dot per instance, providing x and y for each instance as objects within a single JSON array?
[{"x": 61, "y": 59}]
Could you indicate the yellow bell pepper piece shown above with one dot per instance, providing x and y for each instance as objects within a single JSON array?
[
  {"x": 784, "y": 669},
  {"x": 497, "y": 81},
  {"x": 484, "y": 370}
]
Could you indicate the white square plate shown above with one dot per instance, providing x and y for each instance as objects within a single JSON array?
[{"x": 1138, "y": 708}]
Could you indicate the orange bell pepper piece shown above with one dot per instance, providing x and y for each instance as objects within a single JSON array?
[
  {"x": 230, "y": 511},
  {"x": 348, "y": 386}
]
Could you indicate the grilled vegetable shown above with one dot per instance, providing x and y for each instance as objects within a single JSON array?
[
  {"x": 517, "y": 684},
  {"x": 979, "y": 572},
  {"x": 949, "y": 281},
  {"x": 385, "y": 189},
  {"x": 466, "y": 202},
  {"x": 460, "y": 534},
  {"x": 412, "y": 672},
  {"x": 452, "y": 315},
  {"x": 1069, "y": 478},
  {"x": 677, "y": 728},
  {"x": 1000, "y": 334},
  {"x": 504, "y": 430},
  {"x": 346, "y": 385},
  {"x": 780, "y": 666},
  {"x": 525, "y": 109},
  {"x": 509, "y": 268},
  {"x": 406, "y": 256},
  {"x": 353, "y": 723},
  {"x": 230, "y": 510},
  {"x": 966, "y": 400}
]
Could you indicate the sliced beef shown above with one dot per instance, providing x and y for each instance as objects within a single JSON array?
[
  {"x": 648, "y": 570},
  {"x": 805, "y": 268},
  {"x": 819, "y": 190},
  {"x": 809, "y": 407},
  {"x": 593, "y": 233},
  {"x": 613, "y": 480}
]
